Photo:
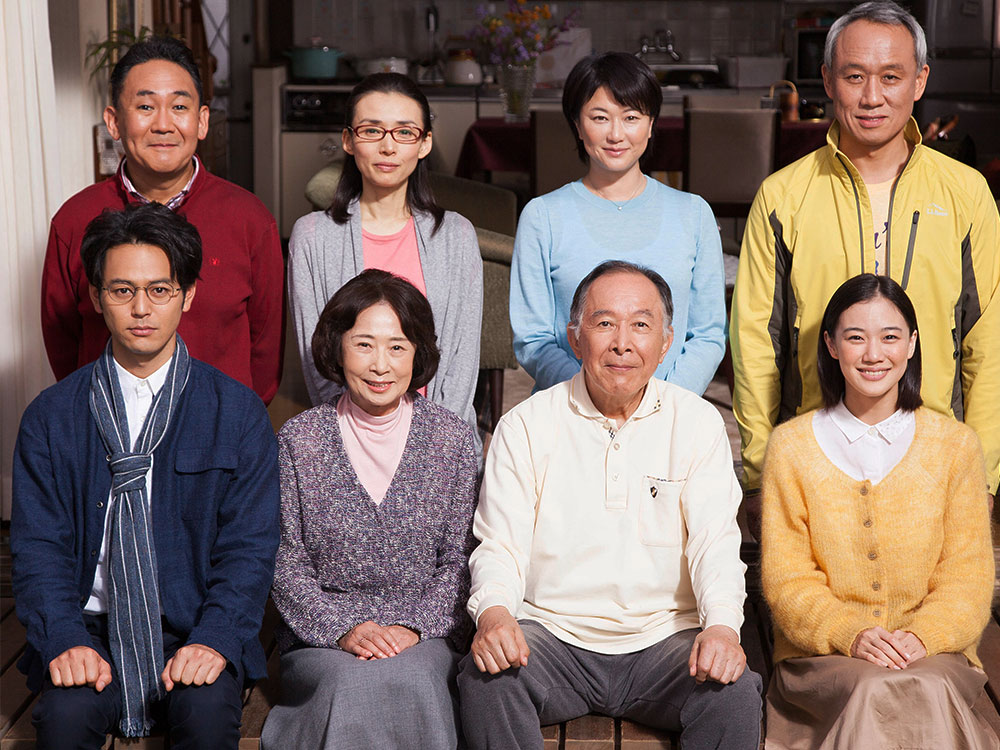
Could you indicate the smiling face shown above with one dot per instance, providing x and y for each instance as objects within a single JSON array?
[
  {"x": 386, "y": 165},
  {"x": 159, "y": 122},
  {"x": 621, "y": 340},
  {"x": 874, "y": 83},
  {"x": 614, "y": 135},
  {"x": 377, "y": 360},
  {"x": 142, "y": 333},
  {"x": 873, "y": 344}
]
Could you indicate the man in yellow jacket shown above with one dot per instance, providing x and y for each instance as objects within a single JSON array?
[{"x": 872, "y": 200}]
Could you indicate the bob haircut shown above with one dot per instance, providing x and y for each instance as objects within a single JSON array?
[
  {"x": 620, "y": 266},
  {"x": 419, "y": 196},
  {"x": 143, "y": 224},
  {"x": 155, "y": 48},
  {"x": 628, "y": 79},
  {"x": 885, "y": 12},
  {"x": 366, "y": 289},
  {"x": 863, "y": 288}
]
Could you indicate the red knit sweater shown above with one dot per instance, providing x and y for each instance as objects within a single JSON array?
[{"x": 236, "y": 320}]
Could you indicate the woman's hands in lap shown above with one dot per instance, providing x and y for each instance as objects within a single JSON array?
[
  {"x": 896, "y": 650},
  {"x": 369, "y": 640}
]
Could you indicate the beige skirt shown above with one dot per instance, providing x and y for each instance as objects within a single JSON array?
[{"x": 842, "y": 703}]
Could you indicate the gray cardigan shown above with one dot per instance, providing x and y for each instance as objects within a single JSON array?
[
  {"x": 324, "y": 255},
  {"x": 344, "y": 560}
]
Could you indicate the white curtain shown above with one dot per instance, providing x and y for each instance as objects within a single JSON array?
[{"x": 30, "y": 193}]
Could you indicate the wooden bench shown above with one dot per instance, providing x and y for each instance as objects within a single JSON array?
[{"x": 590, "y": 732}]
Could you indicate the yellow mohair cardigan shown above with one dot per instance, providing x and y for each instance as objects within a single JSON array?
[{"x": 912, "y": 552}]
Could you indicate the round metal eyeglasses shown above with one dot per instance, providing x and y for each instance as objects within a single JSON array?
[
  {"x": 403, "y": 134},
  {"x": 158, "y": 294}
]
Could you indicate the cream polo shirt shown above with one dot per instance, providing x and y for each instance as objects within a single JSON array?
[{"x": 611, "y": 539}]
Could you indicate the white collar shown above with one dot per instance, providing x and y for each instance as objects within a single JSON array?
[
  {"x": 854, "y": 429},
  {"x": 155, "y": 381},
  {"x": 579, "y": 398}
]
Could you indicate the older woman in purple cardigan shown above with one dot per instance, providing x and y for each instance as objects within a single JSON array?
[{"x": 378, "y": 490}]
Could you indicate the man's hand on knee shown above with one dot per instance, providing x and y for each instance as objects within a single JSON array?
[
  {"x": 499, "y": 643},
  {"x": 717, "y": 655},
  {"x": 194, "y": 664},
  {"x": 79, "y": 666}
]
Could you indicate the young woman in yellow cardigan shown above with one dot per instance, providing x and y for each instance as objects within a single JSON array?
[{"x": 876, "y": 553}]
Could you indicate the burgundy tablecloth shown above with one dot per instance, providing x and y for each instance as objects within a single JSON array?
[{"x": 493, "y": 145}]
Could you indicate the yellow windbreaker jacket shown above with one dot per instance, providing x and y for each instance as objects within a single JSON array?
[{"x": 810, "y": 229}]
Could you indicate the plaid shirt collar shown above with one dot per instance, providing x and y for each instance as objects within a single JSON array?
[{"x": 174, "y": 202}]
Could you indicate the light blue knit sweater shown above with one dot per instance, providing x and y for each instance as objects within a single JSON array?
[{"x": 561, "y": 236}]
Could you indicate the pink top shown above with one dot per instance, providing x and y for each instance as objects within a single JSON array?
[
  {"x": 396, "y": 253},
  {"x": 374, "y": 445}
]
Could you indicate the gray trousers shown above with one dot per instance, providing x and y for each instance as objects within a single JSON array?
[{"x": 562, "y": 682}]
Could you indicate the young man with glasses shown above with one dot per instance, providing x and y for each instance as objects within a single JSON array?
[
  {"x": 145, "y": 515},
  {"x": 158, "y": 114}
]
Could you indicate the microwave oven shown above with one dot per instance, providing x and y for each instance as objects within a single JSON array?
[{"x": 807, "y": 56}]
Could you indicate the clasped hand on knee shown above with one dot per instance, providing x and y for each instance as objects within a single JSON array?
[
  {"x": 717, "y": 655},
  {"x": 499, "y": 643},
  {"x": 194, "y": 664},
  {"x": 79, "y": 666}
]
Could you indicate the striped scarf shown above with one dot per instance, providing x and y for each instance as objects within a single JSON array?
[{"x": 134, "y": 628}]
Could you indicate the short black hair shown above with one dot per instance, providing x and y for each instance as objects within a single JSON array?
[
  {"x": 366, "y": 289},
  {"x": 629, "y": 80},
  {"x": 154, "y": 48},
  {"x": 863, "y": 288},
  {"x": 143, "y": 224},
  {"x": 620, "y": 266}
]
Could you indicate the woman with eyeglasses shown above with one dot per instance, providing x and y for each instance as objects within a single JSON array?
[{"x": 384, "y": 216}]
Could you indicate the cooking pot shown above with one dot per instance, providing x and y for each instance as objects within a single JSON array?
[
  {"x": 317, "y": 61},
  {"x": 382, "y": 65}
]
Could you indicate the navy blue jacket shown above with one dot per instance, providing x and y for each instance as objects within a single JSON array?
[{"x": 215, "y": 507}]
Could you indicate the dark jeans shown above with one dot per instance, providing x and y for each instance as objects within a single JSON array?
[
  {"x": 205, "y": 717},
  {"x": 562, "y": 682}
]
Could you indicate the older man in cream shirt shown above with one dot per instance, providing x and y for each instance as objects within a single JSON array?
[{"x": 608, "y": 577}]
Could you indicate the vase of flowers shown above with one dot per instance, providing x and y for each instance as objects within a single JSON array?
[{"x": 512, "y": 41}]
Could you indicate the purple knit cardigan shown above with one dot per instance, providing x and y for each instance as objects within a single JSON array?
[{"x": 344, "y": 560}]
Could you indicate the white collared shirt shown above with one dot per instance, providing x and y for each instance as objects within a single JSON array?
[
  {"x": 612, "y": 539},
  {"x": 860, "y": 450},
  {"x": 138, "y": 395}
]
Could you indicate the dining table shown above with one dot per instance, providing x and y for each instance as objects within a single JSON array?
[{"x": 492, "y": 144}]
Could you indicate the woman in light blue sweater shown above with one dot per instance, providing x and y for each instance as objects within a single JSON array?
[{"x": 616, "y": 212}]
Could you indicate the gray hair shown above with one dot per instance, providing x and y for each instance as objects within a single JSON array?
[
  {"x": 620, "y": 266},
  {"x": 885, "y": 12}
]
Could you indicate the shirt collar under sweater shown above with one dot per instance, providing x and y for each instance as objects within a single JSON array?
[
  {"x": 174, "y": 202},
  {"x": 890, "y": 429}
]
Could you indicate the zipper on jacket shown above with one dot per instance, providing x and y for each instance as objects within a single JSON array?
[
  {"x": 909, "y": 249},
  {"x": 857, "y": 205},
  {"x": 888, "y": 218}
]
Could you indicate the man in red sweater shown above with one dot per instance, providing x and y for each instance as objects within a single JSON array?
[{"x": 236, "y": 323}]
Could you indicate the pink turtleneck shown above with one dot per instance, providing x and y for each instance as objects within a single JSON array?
[{"x": 374, "y": 445}]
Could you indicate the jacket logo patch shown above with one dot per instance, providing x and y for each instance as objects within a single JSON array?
[{"x": 935, "y": 210}]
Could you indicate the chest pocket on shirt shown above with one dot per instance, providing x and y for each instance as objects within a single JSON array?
[
  {"x": 204, "y": 474},
  {"x": 660, "y": 512}
]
